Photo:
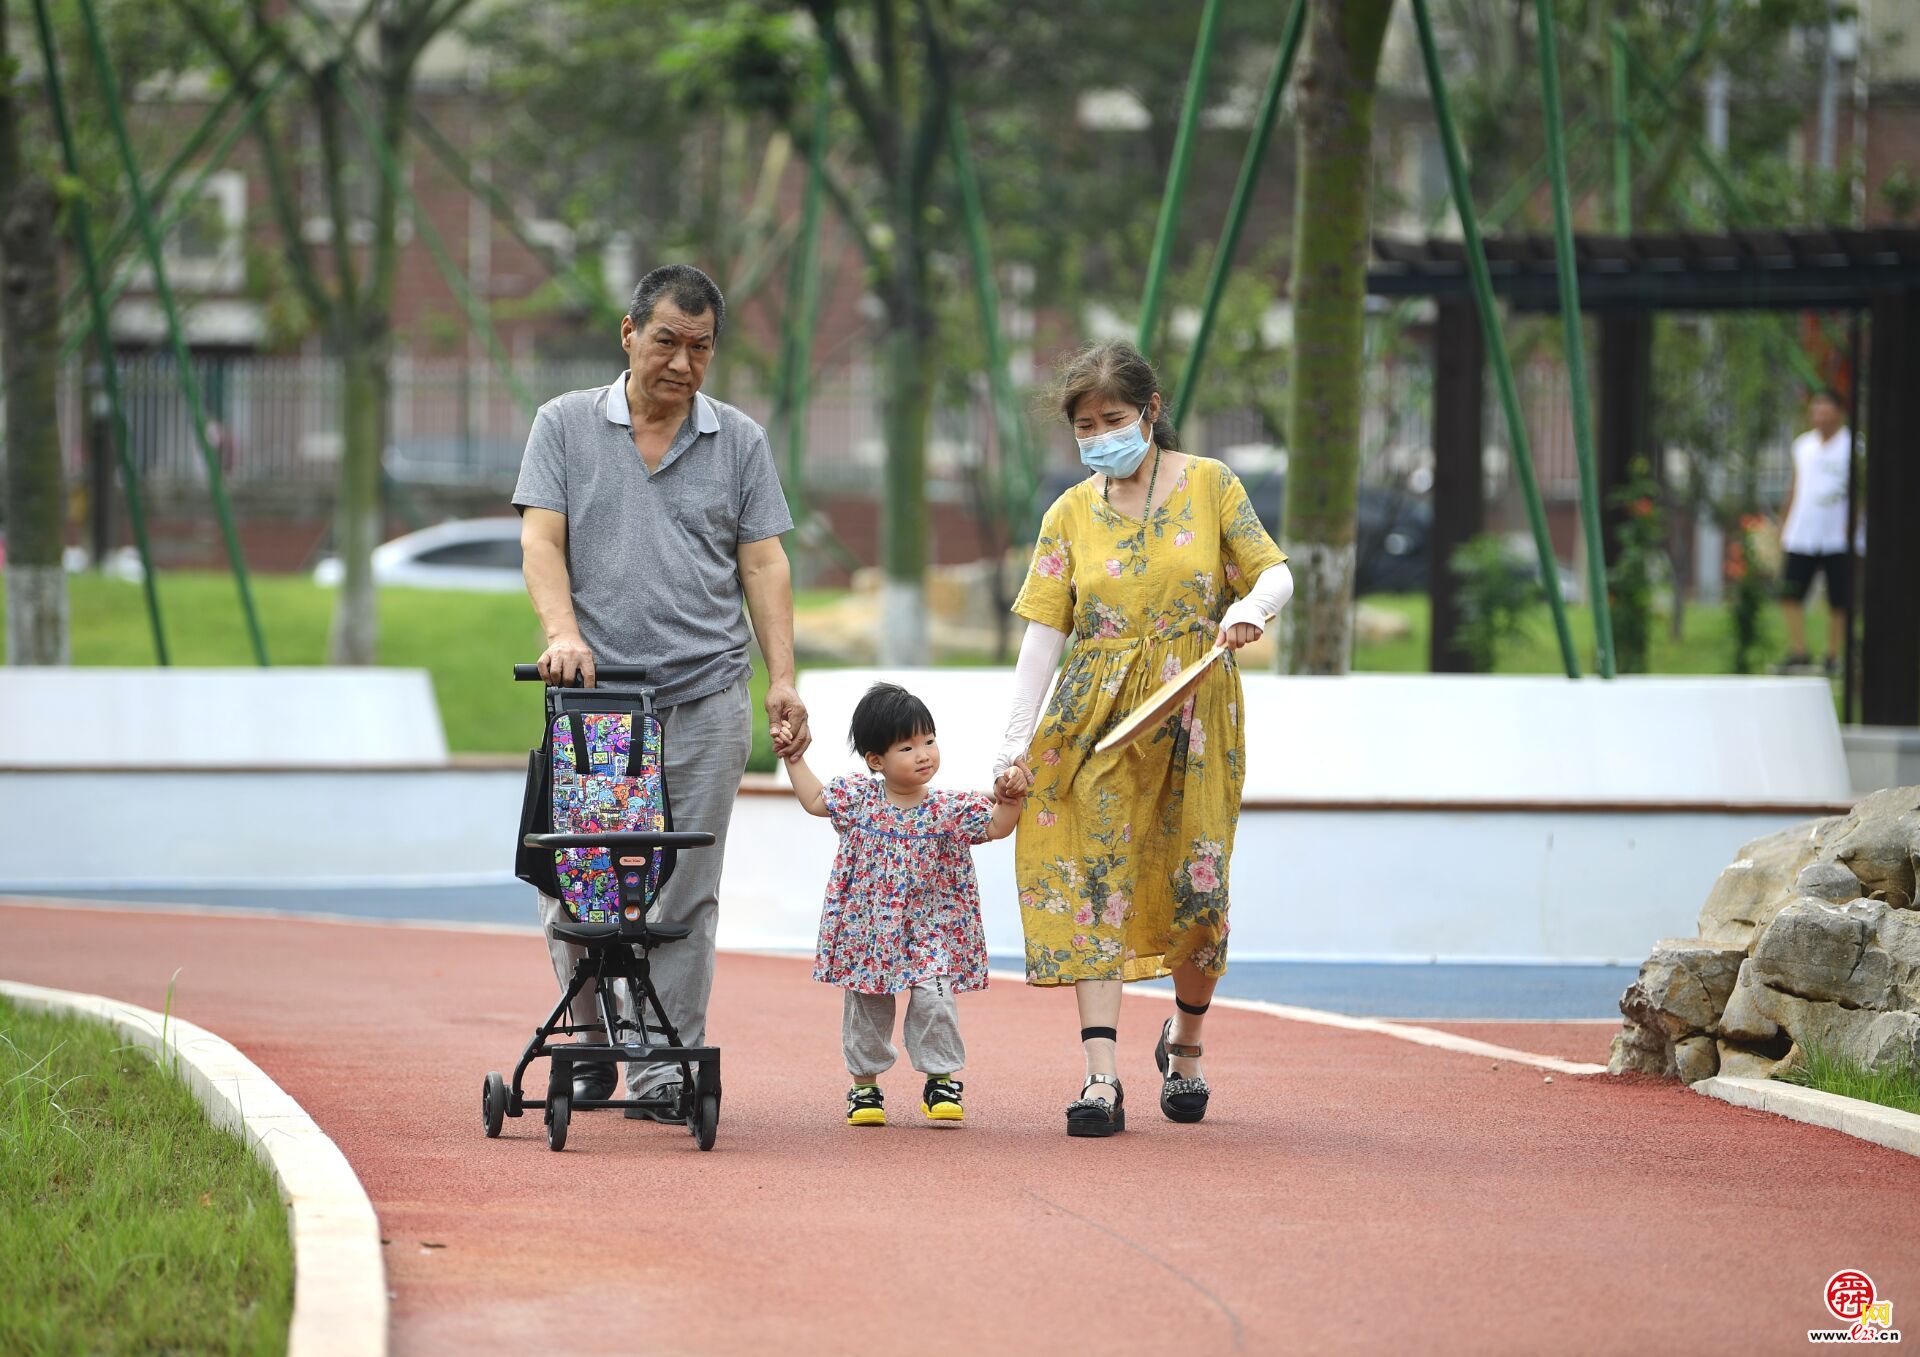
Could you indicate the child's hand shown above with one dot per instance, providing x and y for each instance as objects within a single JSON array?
[
  {"x": 1014, "y": 782},
  {"x": 782, "y": 734}
]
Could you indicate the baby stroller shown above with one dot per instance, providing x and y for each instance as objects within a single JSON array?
[{"x": 596, "y": 833}]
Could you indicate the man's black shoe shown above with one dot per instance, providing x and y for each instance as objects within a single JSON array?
[
  {"x": 660, "y": 1103},
  {"x": 595, "y": 1082}
]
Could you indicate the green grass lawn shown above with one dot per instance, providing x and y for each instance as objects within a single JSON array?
[
  {"x": 1831, "y": 1073},
  {"x": 467, "y": 640},
  {"x": 128, "y": 1223}
]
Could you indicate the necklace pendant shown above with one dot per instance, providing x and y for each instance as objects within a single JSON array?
[{"x": 1153, "y": 479}]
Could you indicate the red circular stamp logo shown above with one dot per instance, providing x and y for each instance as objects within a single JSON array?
[{"x": 1849, "y": 1293}]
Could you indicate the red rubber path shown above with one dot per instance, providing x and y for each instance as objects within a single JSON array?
[{"x": 1348, "y": 1193}]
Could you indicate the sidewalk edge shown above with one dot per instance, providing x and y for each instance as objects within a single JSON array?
[{"x": 1886, "y": 1126}]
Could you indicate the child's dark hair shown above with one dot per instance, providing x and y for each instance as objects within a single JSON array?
[{"x": 887, "y": 715}]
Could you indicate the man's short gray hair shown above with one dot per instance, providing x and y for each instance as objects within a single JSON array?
[{"x": 683, "y": 285}]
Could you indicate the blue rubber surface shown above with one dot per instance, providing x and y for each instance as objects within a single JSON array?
[{"x": 1442, "y": 990}]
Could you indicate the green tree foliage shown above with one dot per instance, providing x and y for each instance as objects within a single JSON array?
[
  {"x": 1636, "y": 568},
  {"x": 1769, "y": 50},
  {"x": 1498, "y": 594}
]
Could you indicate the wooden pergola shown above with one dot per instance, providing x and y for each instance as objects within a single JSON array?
[{"x": 1624, "y": 280}]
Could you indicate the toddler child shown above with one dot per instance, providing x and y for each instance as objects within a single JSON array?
[{"x": 902, "y": 913}]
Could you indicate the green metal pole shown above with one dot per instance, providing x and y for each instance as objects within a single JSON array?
[
  {"x": 1510, "y": 202},
  {"x": 103, "y": 336},
  {"x": 150, "y": 241},
  {"x": 1177, "y": 173},
  {"x": 1496, "y": 337},
  {"x": 117, "y": 238},
  {"x": 456, "y": 281},
  {"x": 1622, "y": 142},
  {"x": 1250, "y": 168},
  {"x": 122, "y": 274},
  {"x": 1566, "y": 269}
]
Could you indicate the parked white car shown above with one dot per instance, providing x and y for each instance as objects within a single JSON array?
[{"x": 473, "y": 553}]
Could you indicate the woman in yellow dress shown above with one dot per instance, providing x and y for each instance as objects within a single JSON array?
[{"x": 1122, "y": 857}]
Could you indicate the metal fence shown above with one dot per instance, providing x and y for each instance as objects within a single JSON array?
[{"x": 276, "y": 421}]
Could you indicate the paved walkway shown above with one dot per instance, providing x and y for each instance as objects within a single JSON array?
[{"x": 1350, "y": 1192}]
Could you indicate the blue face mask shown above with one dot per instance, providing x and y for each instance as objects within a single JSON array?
[{"x": 1117, "y": 452}]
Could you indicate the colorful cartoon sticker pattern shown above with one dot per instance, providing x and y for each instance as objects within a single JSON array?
[{"x": 605, "y": 799}]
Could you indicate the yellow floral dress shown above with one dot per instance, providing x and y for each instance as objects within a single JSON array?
[{"x": 1122, "y": 857}]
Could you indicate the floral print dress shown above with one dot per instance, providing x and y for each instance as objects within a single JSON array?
[
  {"x": 903, "y": 904},
  {"x": 1122, "y": 857}
]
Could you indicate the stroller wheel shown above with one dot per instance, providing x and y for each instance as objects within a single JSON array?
[
  {"x": 559, "y": 1112},
  {"x": 493, "y": 1103},
  {"x": 706, "y": 1120}
]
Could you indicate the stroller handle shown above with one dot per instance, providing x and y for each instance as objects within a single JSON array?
[
  {"x": 612, "y": 673},
  {"x": 623, "y": 840}
]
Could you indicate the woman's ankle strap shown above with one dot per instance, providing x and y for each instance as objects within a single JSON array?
[
  {"x": 1099, "y": 1034},
  {"x": 1195, "y": 1009}
]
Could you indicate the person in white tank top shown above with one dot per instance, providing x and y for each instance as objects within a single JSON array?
[{"x": 1813, "y": 527}]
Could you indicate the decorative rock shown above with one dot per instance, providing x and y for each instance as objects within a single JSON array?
[
  {"x": 1742, "y": 1020},
  {"x": 1820, "y": 952},
  {"x": 1695, "y": 1059},
  {"x": 1760, "y": 883},
  {"x": 1833, "y": 882},
  {"x": 1683, "y": 986},
  {"x": 1827, "y": 910},
  {"x": 1878, "y": 842},
  {"x": 1877, "y": 1040},
  {"x": 1635, "y": 1050},
  {"x": 1738, "y": 1062}
]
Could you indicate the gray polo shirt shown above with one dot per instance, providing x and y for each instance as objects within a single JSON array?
[{"x": 652, "y": 557}]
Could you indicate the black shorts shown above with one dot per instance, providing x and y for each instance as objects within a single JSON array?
[{"x": 1802, "y": 568}]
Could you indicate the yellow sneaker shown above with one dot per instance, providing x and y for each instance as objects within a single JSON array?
[
  {"x": 865, "y": 1106},
  {"x": 940, "y": 1099}
]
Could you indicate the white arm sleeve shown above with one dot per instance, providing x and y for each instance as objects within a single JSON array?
[
  {"x": 1264, "y": 601},
  {"x": 1040, "y": 651}
]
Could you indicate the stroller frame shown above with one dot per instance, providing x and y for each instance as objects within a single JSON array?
[{"x": 613, "y": 953}]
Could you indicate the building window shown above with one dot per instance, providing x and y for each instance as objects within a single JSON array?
[
  {"x": 203, "y": 252},
  {"x": 360, "y": 176}
]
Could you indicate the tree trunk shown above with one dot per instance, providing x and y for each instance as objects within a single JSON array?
[
  {"x": 357, "y": 517},
  {"x": 904, "y": 532},
  {"x": 35, "y": 505},
  {"x": 1331, "y": 219}
]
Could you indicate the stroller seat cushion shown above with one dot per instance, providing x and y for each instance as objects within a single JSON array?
[{"x": 589, "y": 934}]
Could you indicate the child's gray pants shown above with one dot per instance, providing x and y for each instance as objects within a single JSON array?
[{"x": 932, "y": 1030}]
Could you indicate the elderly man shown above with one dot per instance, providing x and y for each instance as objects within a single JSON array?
[{"x": 648, "y": 512}]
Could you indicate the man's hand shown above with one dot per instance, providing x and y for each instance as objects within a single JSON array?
[
  {"x": 565, "y": 658},
  {"x": 787, "y": 721},
  {"x": 1015, "y": 781}
]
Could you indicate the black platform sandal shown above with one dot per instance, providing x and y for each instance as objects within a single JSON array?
[
  {"x": 1182, "y": 1099},
  {"x": 1096, "y": 1116}
]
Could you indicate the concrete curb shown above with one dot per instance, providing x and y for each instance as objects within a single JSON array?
[
  {"x": 1886, "y": 1126},
  {"x": 339, "y": 1275}
]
